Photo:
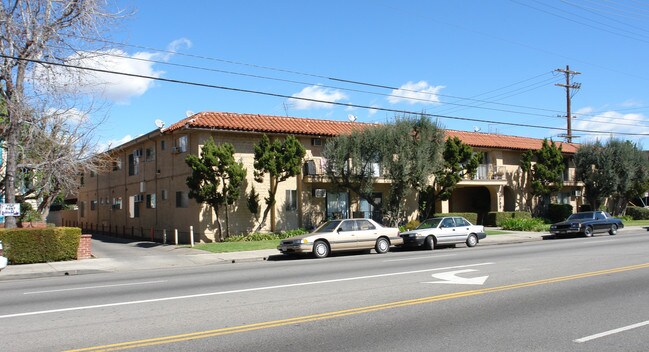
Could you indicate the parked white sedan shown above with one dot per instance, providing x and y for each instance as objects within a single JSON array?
[
  {"x": 444, "y": 230},
  {"x": 343, "y": 235}
]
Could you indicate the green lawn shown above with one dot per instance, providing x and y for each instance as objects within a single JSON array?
[
  {"x": 636, "y": 223},
  {"x": 225, "y": 247},
  {"x": 496, "y": 232}
]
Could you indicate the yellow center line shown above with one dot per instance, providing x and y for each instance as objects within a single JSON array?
[{"x": 349, "y": 312}]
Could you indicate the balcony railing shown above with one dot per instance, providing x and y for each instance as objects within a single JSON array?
[{"x": 490, "y": 172}]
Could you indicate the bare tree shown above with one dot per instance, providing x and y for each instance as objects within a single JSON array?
[
  {"x": 56, "y": 148},
  {"x": 33, "y": 32}
]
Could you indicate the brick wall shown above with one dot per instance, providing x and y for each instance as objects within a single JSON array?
[{"x": 85, "y": 247}]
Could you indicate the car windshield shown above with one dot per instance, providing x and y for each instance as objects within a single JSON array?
[
  {"x": 328, "y": 226},
  {"x": 580, "y": 216},
  {"x": 434, "y": 222}
]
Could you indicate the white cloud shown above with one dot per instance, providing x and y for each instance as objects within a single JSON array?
[
  {"x": 112, "y": 143},
  {"x": 115, "y": 87},
  {"x": 416, "y": 93},
  {"x": 319, "y": 93},
  {"x": 372, "y": 112},
  {"x": 609, "y": 123}
]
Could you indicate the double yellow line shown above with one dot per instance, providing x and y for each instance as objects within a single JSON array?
[{"x": 348, "y": 312}]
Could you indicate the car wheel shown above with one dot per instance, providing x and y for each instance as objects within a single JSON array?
[
  {"x": 472, "y": 240},
  {"x": 613, "y": 230},
  {"x": 320, "y": 249},
  {"x": 382, "y": 245},
  {"x": 588, "y": 232},
  {"x": 429, "y": 243}
]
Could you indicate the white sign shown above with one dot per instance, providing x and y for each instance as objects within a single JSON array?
[{"x": 10, "y": 209}]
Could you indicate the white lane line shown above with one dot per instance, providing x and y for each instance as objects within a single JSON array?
[
  {"x": 611, "y": 332},
  {"x": 94, "y": 287},
  {"x": 417, "y": 258},
  {"x": 231, "y": 292}
]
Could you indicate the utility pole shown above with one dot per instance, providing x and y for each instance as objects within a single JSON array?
[{"x": 568, "y": 86}]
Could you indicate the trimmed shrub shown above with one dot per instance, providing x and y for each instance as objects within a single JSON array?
[
  {"x": 559, "y": 212},
  {"x": 412, "y": 224},
  {"x": 27, "y": 246},
  {"x": 263, "y": 236},
  {"x": 533, "y": 224},
  {"x": 638, "y": 213},
  {"x": 472, "y": 217},
  {"x": 495, "y": 218}
]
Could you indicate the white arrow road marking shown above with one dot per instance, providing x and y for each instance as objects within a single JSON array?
[{"x": 450, "y": 277}]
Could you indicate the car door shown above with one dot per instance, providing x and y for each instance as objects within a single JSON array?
[
  {"x": 446, "y": 231},
  {"x": 366, "y": 234},
  {"x": 345, "y": 237},
  {"x": 601, "y": 223},
  {"x": 462, "y": 230}
]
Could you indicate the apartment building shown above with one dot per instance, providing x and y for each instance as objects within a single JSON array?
[{"x": 145, "y": 195}]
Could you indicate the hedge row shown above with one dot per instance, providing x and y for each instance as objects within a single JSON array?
[
  {"x": 472, "y": 217},
  {"x": 638, "y": 213},
  {"x": 495, "y": 218},
  {"x": 26, "y": 246}
]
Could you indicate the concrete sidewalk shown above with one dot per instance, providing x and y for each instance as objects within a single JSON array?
[{"x": 176, "y": 257}]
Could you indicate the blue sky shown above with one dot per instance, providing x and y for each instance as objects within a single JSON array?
[{"x": 491, "y": 62}]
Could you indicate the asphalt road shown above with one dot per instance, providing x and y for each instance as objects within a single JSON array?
[{"x": 578, "y": 294}]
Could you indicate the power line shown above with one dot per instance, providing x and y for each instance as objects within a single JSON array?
[
  {"x": 478, "y": 106},
  {"x": 257, "y": 92}
]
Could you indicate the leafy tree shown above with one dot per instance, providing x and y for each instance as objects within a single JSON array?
[
  {"x": 56, "y": 31},
  {"x": 281, "y": 160},
  {"x": 546, "y": 175},
  {"x": 407, "y": 152},
  {"x": 459, "y": 161},
  {"x": 252, "y": 201},
  {"x": 619, "y": 170},
  {"x": 216, "y": 179},
  {"x": 592, "y": 167}
]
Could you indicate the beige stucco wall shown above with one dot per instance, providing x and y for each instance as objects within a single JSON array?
[{"x": 166, "y": 172}]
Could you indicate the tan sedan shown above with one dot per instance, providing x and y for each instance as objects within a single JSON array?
[{"x": 343, "y": 235}]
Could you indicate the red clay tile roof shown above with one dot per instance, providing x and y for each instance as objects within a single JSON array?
[
  {"x": 267, "y": 124},
  {"x": 500, "y": 141},
  {"x": 329, "y": 128}
]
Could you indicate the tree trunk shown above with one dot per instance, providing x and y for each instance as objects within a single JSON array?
[
  {"x": 227, "y": 221},
  {"x": 218, "y": 225},
  {"x": 269, "y": 204}
]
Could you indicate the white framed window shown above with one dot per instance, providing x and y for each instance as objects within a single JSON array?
[
  {"x": 149, "y": 154},
  {"x": 181, "y": 144},
  {"x": 291, "y": 199},
  {"x": 150, "y": 201},
  {"x": 182, "y": 199}
]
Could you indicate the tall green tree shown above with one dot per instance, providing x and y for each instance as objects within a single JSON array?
[
  {"x": 459, "y": 161},
  {"x": 545, "y": 175},
  {"x": 216, "y": 179},
  {"x": 619, "y": 170},
  {"x": 281, "y": 160},
  {"x": 406, "y": 152},
  {"x": 592, "y": 167}
]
